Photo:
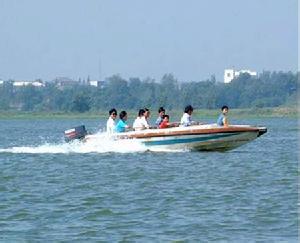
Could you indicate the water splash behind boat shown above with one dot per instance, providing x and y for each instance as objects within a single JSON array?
[{"x": 101, "y": 143}]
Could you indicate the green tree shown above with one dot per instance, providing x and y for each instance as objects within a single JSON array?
[{"x": 81, "y": 103}]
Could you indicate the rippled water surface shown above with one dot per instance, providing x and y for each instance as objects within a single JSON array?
[{"x": 53, "y": 191}]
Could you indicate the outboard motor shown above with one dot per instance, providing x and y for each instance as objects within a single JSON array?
[{"x": 75, "y": 133}]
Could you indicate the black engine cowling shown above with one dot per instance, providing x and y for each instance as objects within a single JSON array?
[{"x": 75, "y": 133}]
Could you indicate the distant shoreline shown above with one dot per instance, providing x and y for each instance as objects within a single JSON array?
[{"x": 290, "y": 112}]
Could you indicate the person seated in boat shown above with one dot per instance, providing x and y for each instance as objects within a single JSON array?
[
  {"x": 140, "y": 122},
  {"x": 122, "y": 125},
  {"x": 186, "y": 119},
  {"x": 147, "y": 116},
  {"x": 111, "y": 123},
  {"x": 222, "y": 120},
  {"x": 161, "y": 113},
  {"x": 166, "y": 123}
]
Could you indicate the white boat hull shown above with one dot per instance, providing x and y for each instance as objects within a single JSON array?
[
  {"x": 216, "y": 142},
  {"x": 198, "y": 138}
]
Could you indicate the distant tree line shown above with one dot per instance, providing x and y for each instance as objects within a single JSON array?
[{"x": 269, "y": 89}]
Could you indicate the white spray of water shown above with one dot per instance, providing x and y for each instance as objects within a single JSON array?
[{"x": 100, "y": 143}]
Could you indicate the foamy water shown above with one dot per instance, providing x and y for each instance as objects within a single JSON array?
[{"x": 101, "y": 143}]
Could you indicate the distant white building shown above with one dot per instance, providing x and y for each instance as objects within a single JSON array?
[
  {"x": 230, "y": 74},
  {"x": 26, "y": 83},
  {"x": 97, "y": 83},
  {"x": 1, "y": 82},
  {"x": 94, "y": 83}
]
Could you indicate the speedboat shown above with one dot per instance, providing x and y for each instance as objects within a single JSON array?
[{"x": 209, "y": 137}]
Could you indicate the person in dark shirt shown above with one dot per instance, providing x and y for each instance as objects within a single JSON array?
[
  {"x": 222, "y": 120},
  {"x": 161, "y": 113}
]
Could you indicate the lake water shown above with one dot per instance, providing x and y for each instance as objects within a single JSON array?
[{"x": 52, "y": 191}]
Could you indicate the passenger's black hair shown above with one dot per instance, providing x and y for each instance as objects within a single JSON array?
[
  {"x": 166, "y": 116},
  {"x": 224, "y": 107},
  {"x": 188, "y": 108},
  {"x": 146, "y": 109},
  {"x": 161, "y": 109},
  {"x": 112, "y": 111},
  {"x": 141, "y": 112},
  {"x": 122, "y": 114}
]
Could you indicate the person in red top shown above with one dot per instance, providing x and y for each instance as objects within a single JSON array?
[{"x": 166, "y": 123}]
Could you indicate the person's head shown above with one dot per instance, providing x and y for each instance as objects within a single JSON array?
[
  {"x": 123, "y": 115},
  {"x": 113, "y": 113},
  {"x": 147, "y": 113},
  {"x": 161, "y": 112},
  {"x": 141, "y": 112},
  {"x": 224, "y": 109},
  {"x": 166, "y": 118},
  {"x": 188, "y": 109}
]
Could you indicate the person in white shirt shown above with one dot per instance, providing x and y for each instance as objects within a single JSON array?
[
  {"x": 111, "y": 124},
  {"x": 186, "y": 119},
  {"x": 140, "y": 123}
]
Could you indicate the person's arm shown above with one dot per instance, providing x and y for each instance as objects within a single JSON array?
[
  {"x": 158, "y": 121},
  {"x": 225, "y": 121},
  {"x": 145, "y": 123},
  {"x": 135, "y": 125},
  {"x": 126, "y": 127},
  {"x": 174, "y": 124}
]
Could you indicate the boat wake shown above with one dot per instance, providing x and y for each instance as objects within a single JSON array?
[{"x": 102, "y": 144}]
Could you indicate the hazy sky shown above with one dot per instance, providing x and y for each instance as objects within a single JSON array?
[{"x": 192, "y": 39}]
